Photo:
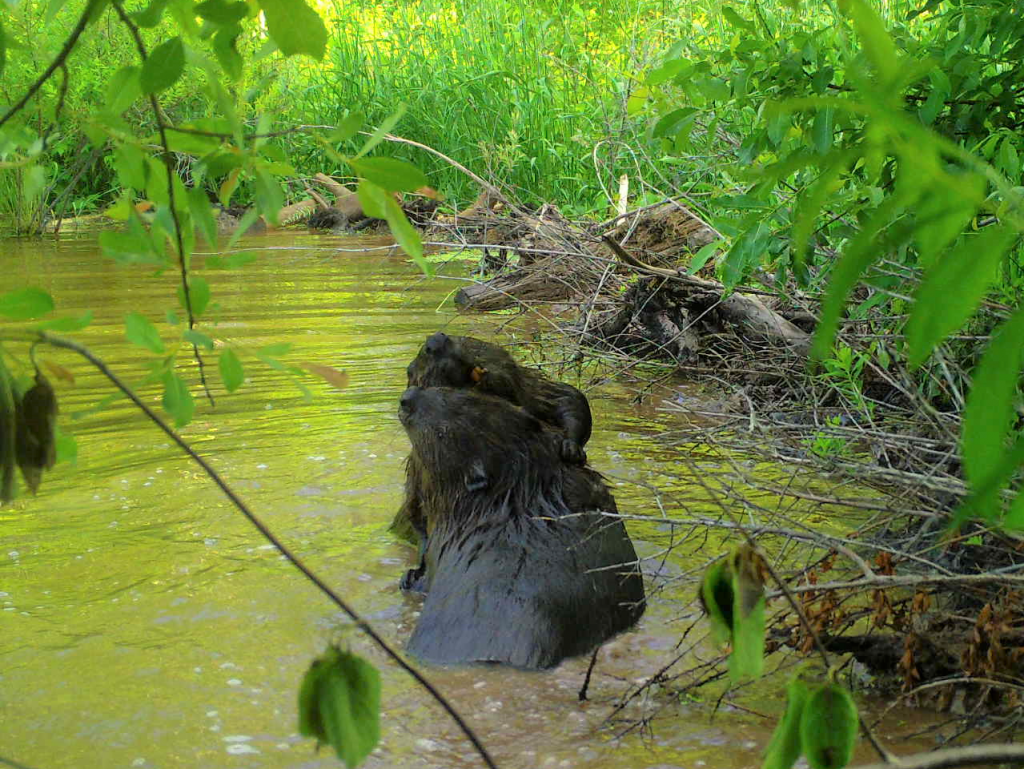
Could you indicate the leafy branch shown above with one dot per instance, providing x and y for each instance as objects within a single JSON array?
[
  {"x": 264, "y": 530},
  {"x": 172, "y": 205}
]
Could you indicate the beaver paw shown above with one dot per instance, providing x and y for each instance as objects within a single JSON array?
[
  {"x": 414, "y": 580},
  {"x": 573, "y": 453}
]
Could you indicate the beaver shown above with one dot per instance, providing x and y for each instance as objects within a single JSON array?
[
  {"x": 521, "y": 567},
  {"x": 464, "y": 362}
]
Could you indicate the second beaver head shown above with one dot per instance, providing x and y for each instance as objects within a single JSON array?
[{"x": 464, "y": 361}]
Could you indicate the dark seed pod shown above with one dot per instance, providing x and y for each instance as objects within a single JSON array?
[
  {"x": 36, "y": 425},
  {"x": 8, "y": 434}
]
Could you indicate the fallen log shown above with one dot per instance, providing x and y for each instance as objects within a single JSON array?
[{"x": 746, "y": 312}]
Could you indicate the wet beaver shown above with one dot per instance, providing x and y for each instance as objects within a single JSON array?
[
  {"x": 464, "y": 362},
  {"x": 521, "y": 566}
]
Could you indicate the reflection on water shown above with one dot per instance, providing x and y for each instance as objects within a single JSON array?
[{"x": 143, "y": 623}]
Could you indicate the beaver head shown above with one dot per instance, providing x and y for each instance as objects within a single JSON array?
[
  {"x": 470, "y": 442},
  {"x": 463, "y": 362}
]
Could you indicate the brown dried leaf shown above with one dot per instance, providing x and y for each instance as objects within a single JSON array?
[
  {"x": 332, "y": 376},
  {"x": 60, "y": 372}
]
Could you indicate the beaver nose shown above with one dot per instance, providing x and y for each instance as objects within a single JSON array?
[
  {"x": 436, "y": 343},
  {"x": 407, "y": 403}
]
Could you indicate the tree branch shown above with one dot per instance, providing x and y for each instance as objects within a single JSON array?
[{"x": 362, "y": 624}]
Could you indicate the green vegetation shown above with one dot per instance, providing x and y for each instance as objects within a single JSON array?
[{"x": 868, "y": 161}]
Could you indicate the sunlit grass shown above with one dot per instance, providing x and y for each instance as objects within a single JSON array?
[{"x": 520, "y": 93}]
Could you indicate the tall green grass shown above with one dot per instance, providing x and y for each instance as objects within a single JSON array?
[{"x": 520, "y": 92}]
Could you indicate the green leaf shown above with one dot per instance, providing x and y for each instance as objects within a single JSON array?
[
  {"x": 67, "y": 447},
  {"x": 384, "y": 128},
  {"x": 122, "y": 90},
  {"x": 121, "y": 210},
  {"x": 828, "y": 727},
  {"x": 311, "y": 722},
  {"x": 172, "y": 318},
  {"x": 227, "y": 54},
  {"x": 247, "y": 220},
  {"x": 230, "y": 261},
  {"x": 33, "y": 182},
  {"x": 3, "y": 49},
  {"x": 406, "y": 235},
  {"x": 275, "y": 350},
  {"x": 341, "y": 705},
  {"x": 190, "y": 143},
  {"x": 163, "y": 66},
  {"x": 736, "y": 20},
  {"x": 1009, "y": 161},
  {"x": 984, "y": 500},
  {"x": 944, "y": 211},
  {"x": 25, "y": 303},
  {"x": 1014, "y": 520},
  {"x": 989, "y": 408},
  {"x": 52, "y": 9},
  {"x": 198, "y": 339},
  {"x": 202, "y": 214},
  {"x": 822, "y": 131},
  {"x": 177, "y": 400},
  {"x": 67, "y": 324},
  {"x": 784, "y": 748},
  {"x": 811, "y": 203},
  {"x": 373, "y": 199},
  {"x": 940, "y": 91},
  {"x": 748, "y": 623},
  {"x": 221, "y": 12},
  {"x": 746, "y": 252},
  {"x": 269, "y": 196},
  {"x": 717, "y": 598},
  {"x": 698, "y": 260},
  {"x": 131, "y": 166},
  {"x": 348, "y": 127},
  {"x": 150, "y": 16},
  {"x": 141, "y": 332},
  {"x": 231, "y": 371},
  {"x": 130, "y": 248},
  {"x": 875, "y": 41},
  {"x": 198, "y": 294},
  {"x": 859, "y": 253},
  {"x": 666, "y": 71},
  {"x": 952, "y": 289},
  {"x": 393, "y": 175},
  {"x": 295, "y": 27}
]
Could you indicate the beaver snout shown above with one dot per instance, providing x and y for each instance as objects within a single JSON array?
[{"x": 407, "y": 403}]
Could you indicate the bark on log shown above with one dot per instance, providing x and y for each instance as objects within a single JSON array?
[{"x": 745, "y": 311}]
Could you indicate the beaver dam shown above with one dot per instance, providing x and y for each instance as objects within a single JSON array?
[{"x": 145, "y": 623}]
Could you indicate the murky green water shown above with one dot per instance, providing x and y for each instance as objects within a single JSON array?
[{"x": 143, "y": 622}]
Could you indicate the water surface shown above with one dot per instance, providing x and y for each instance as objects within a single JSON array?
[{"x": 144, "y": 623}]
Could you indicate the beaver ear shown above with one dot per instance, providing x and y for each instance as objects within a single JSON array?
[
  {"x": 477, "y": 374},
  {"x": 476, "y": 477}
]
